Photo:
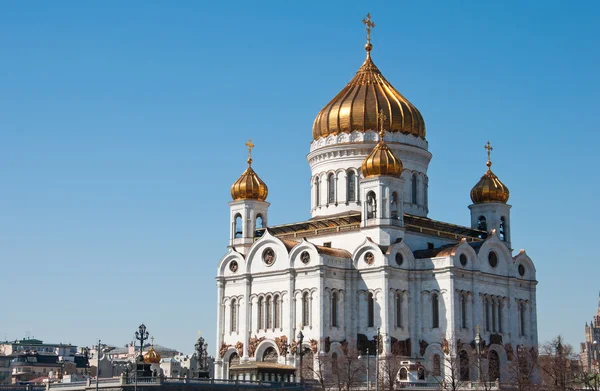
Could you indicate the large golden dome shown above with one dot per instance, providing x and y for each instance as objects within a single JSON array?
[
  {"x": 381, "y": 160},
  {"x": 357, "y": 105},
  {"x": 489, "y": 188},
  {"x": 152, "y": 356},
  {"x": 249, "y": 186}
]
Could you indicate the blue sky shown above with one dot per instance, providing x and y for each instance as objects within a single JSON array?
[{"x": 122, "y": 127}]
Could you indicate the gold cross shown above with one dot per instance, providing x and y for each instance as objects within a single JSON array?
[
  {"x": 199, "y": 333},
  {"x": 382, "y": 118},
  {"x": 489, "y": 148},
  {"x": 152, "y": 340},
  {"x": 369, "y": 24},
  {"x": 250, "y": 146}
]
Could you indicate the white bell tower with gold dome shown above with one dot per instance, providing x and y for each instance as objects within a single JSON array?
[
  {"x": 345, "y": 132},
  {"x": 248, "y": 211},
  {"x": 490, "y": 210}
]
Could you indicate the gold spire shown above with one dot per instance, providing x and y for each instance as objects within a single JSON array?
[
  {"x": 369, "y": 25},
  {"x": 249, "y": 186},
  {"x": 489, "y": 188},
  {"x": 381, "y": 161},
  {"x": 356, "y": 107}
]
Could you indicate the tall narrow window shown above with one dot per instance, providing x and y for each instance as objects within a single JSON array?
[
  {"x": 233, "y": 315},
  {"x": 481, "y": 223},
  {"x": 435, "y": 309},
  {"x": 269, "y": 312},
  {"x": 463, "y": 307},
  {"x": 414, "y": 188},
  {"x": 486, "y": 314},
  {"x": 260, "y": 313},
  {"x": 403, "y": 374},
  {"x": 500, "y": 317},
  {"x": 522, "y": 316},
  {"x": 238, "y": 226},
  {"x": 334, "y": 309},
  {"x": 394, "y": 205},
  {"x": 371, "y": 205},
  {"x": 399, "y": 309},
  {"x": 371, "y": 310},
  {"x": 493, "y": 366},
  {"x": 276, "y": 305},
  {"x": 317, "y": 192},
  {"x": 502, "y": 229},
  {"x": 259, "y": 221},
  {"x": 351, "y": 183},
  {"x": 464, "y": 365},
  {"x": 437, "y": 365},
  {"x": 305, "y": 309},
  {"x": 331, "y": 188},
  {"x": 494, "y": 316}
]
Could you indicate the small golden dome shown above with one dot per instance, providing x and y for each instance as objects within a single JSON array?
[
  {"x": 357, "y": 105},
  {"x": 249, "y": 186},
  {"x": 152, "y": 356},
  {"x": 381, "y": 160},
  {"x": 489, "y": 188}
]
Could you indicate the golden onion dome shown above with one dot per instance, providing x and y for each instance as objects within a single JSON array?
[
  {"x": 152, "y": 356},
  {"x": 249, "y": 186},
  {"x": 381, "y": 160},
  {"x": 489, "y": 188},
  {"x": 357, "y": 105}
]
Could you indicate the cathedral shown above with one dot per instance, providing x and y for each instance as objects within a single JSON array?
[
  {"x": 370, "y": 264},
  {"x": 590, "y": 349}
]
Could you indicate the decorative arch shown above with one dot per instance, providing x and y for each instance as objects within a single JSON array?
[
  {"x": 231, "y": 255},
  {"x": 262, "y": 348}
]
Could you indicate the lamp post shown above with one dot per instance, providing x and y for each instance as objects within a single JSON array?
[
  {"x": 478, "y": 350},
  {"x": 368, "y": 369},
  {"x": 142, "y": 335},
  {"x": 377, "y": 360},
  {"x": 285, "y": 350},
  {"x": 300, "y": 337},
  {"x": 98, "y": 369}
]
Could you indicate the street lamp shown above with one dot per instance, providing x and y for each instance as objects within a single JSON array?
[
  {"x": 98, "y": 369},
  {"x": 300, "y": 337},
  {"x": 478, "y": 350},
  {"x": 368, "y": 369},
  {"x": 142, "y": 335},
  {"x": 377, "y": 360}
]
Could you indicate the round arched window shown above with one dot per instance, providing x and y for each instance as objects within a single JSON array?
[
  {"x": 493, "y": 259},
  {"x": 233, "y": 266},
  {"x": 521, "y": 270},
  {"x": 463, "y": 259},
  {"x": 399, "y": 259},
  {"x": 369, "y": 258},
  {"x": 269, "y": 256},
  {"x": 305, "y": 257}
]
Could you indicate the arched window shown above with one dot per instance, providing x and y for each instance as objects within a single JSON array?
[
  {"x": 463, "y": 306},
  {"x": 317, "y": 192},
  {"x": 371, "y": 205},
  {"x": 464, "y": 365},
  {"x": 502, "y": 229},
  {"x": 522, "y": 316},
  {"x": 305, "y": 309},
  {"x": 260, "y": 317},
  {"x": 486, "y": 305},
  {"x": 276, "y": 305},
  {"x": 269, "y": 313},
  {"x": 394, "y": 205},
  {"x": 371, "y": 310},
  {"x": 437, "y": 365},
  {"x": 414, "y": 188},
  {"x": 403, "y": 374},
  {"x": 331, "y": 188},
  {"x": 334, "y": 309},
  {"x": 493, "y": 366},
  {"x": 421, "y": 373},
  {"x": 435, "y": 311},
  {"x": 238, "y": 226},
  {"x": 270, "y": 355},
  {"x": 500, "y": 316},
  {"x": 351, "y": 186},
  {"x": 259, "y": 221},
  {"x": 233, "y": 309},
  {"x": 398, "y": 309},
  {"x": 481, "y": 223}
]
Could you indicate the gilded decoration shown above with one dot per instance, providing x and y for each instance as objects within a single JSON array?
[
  {"x": 489, "y": 188},
  {"x": 294, "y": 347},
  {"x": 445, "y": 346},
  {"x": 239, "y": 346},
  {"x": 356, "y": 107},
  {"x": 253, "y": 344},
  {"x": 314, "y": 345},
  {"x": 249, "y": 186}
]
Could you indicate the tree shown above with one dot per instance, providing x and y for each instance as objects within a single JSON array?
[
  {"x": 317, "y": 368},
  {"x": 453, "y": 372},
  {"x": 347, "y": 368},
  {"x": 558, "y": 365},
  {"x": 389, "y": 366},
  {"x": 522, "y": 367}
]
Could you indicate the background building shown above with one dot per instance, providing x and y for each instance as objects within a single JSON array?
[{"x": 590, "y": 349}]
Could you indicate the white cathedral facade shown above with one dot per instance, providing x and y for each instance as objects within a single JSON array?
[{"x": 370, "y": 259}]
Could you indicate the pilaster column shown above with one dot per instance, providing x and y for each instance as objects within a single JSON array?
[{"x": 385, "y": 312}]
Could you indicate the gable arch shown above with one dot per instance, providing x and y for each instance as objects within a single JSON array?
[
  {"x": 263, "y": 346},
  {"x": 295, "y": 253},
  {"x": 232, "y": 255},
  {"x": 407, "y": 254},
  {"x": 367, "y": 246},
  {"x": 505, "y": 260},
  {"x": 255, "y": 254},
  {"x": 525, "y": 260}
]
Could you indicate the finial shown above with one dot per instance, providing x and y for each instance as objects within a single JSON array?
[
  {"x": 250, "y": 146},
  {"x": 381, "y": 117},
  {"x": 489, "y": 148},
  {"x": 199, "y": 333},
  {"x": 478, "y": 329},
  {"x": 152, "y": 340},
  {"x": 369, "y": 24}
]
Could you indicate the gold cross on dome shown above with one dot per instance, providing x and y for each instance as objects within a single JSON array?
[
  {"x": 250, "y": 146},
  {"x": 199, "y": 333},
  {"x": 152, "y": 340},
  {"x": 489, "y": 148},
  {"x": 381, "y": 117},
  {"x": 369, "y": 24}
]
